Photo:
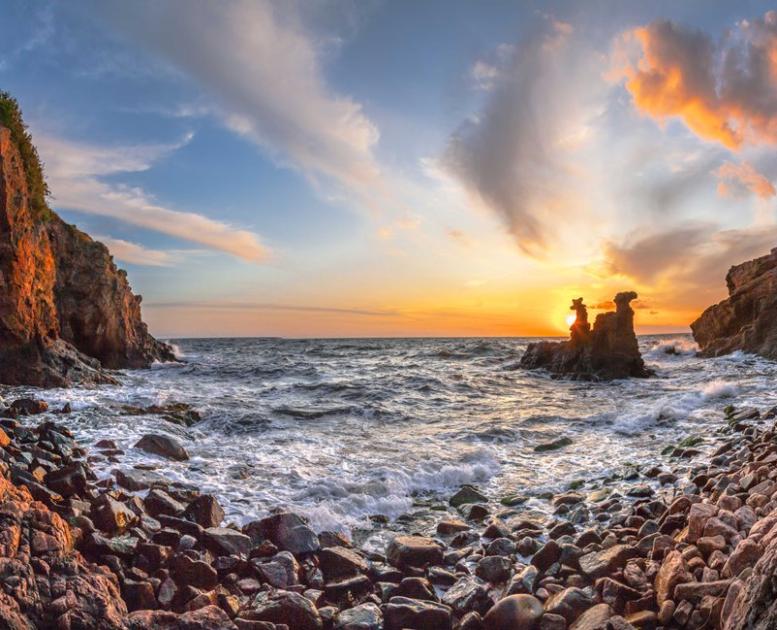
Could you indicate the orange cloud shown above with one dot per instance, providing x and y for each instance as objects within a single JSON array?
[
  {"x": 733, "y": 178},
  {"x": 723, "y": 92}
]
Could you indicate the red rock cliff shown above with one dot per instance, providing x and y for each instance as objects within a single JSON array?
[
  {"x": 747, "y": 319},
  {"x": 64, "y": 306}
]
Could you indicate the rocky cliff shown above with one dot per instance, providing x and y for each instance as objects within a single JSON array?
[
  {"x": 747, "y": 319},
  {"x": 608, "y": 351},
  {"x": 65, "y": 309}
]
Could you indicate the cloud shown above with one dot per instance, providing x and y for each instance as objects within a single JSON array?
[
  {"x": 646, "y": 257},
  {"x": 514, "y": 156},
  {"x": 263, "y": 72},
  {"x": 136, "y": 253},
  {"x": 74, "y": 171},
  {"x": 733, "y": 179},
  {"x": 269, "y": 306},
  {"x": 687, "y": 266},
  {"x": 725, "y": 92}
]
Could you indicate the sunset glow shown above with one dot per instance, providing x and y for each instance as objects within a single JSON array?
[{"x": 300, "y": 182}]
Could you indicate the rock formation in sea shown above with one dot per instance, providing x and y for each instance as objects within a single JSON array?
[
  {"x": 747, "y": 319},
  {"x": 608, "y": 351},
  {"x": 66, "y": 311}
]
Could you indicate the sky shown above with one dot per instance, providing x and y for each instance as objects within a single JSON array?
[{"x": 339, "y": 168}]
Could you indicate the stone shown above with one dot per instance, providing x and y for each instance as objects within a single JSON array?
[
  {"x": 549, "y": 553},
  {"x": 523, "y": 582},
  {"x": 363, "y": 617},
  {"x": 159, "y": 502},
  {"x": 599, "y": 563},
  {"x": 285, "y": 607},
  {"x": 280, "y": 571},
  {"x": 671, "y": 573},
  {"x": 205, "y": 510},
  {"x": 196, "y": 573},
  {"x": 68, "y": 481},
  {"x": 494, "y": 569},
  {"x": 745, "y": 555},
  {"x": 112, "y": 516},
  {"x": 608, "y": 351},
  {"x": 569, "y": 603},
  {"x": 339, "y": 562},
  {"x": 467, "y": 494},
  {"x": 414, "y": 551},
  {"x": 695, "y": 591},
  {"x": 286, "y": 530},
  {"x": 162, "y": 445},
  {"x": 403, "y": 612},
  {"x": 225, "y": 541},
  {"x": 514, "y": 611},
  {"x": 135, "y": 480},
  {"x": 697, "y": 519},
  {"x": 468, "y": 593},
  {"x": 595, "y": 618}
]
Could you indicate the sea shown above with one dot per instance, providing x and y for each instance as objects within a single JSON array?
[{"x": 362, "y": 435}]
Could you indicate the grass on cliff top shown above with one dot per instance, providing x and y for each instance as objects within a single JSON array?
[{"x": 11, "y": 117}]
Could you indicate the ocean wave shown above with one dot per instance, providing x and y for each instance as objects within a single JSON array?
[
  {"x": 676, "y": 347},
  {"x": 719, "y": 389}
]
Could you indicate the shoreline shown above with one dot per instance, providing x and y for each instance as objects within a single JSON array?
[{"x": 676, "y": 548}]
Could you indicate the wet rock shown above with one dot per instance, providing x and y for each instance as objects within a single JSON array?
[
  {"x": 225, "y": 541},
  {"x": 553, "y": 445},
  {"x": 362, "y": 617},
  {"x": 414, "y": 551},
  {"x": 402, "y": 612},
  {"x": 569, "y": 603},
  {"x": 205, "y": 511},
  {"x": 746, "y": 554},
  {"x": 162, "y": 445},
  {"x": 196, "y": 573},
  {"x": 159, "y": 502},
  {"x": 68, "y": 481},
  {"x": 595, "y": 618},
  {"x": 280, "y": 571},
  {"x": 468, "y": 593},
  {"x": 135, "y": 480},
  {"x": 286, "y": 530},
  {"x": 600, "y": 563},
  {"x": 28, "y": 407},
  {"x": 339, "y": 562},
  {"x": 494, "y": 569},
  {"x": 549, "y": 553},
  {"x": 523, "y": 582},
  {"x": 467, "y": 494},
  {"x": 514, "y": 611},
  {"x": 671, "y": 573},
  {"x": 448, "y": 527},
  {"x": 112, "y": 516}
]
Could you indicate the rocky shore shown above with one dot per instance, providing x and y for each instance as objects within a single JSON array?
[{"x": 682, "y": 546}]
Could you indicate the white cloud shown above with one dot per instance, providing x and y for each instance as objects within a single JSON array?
[
  {"x": 74, "y": 171},
  {"x": 263, "y": 72},
  {"x": 135, "y": 253}
]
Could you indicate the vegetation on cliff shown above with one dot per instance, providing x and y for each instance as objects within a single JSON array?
[{"x": 11, "y": 117}]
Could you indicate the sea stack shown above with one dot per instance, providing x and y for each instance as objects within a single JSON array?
[
  {"x": 747, "y": 319},
  {"x": 608, "y": 351},
  {"x": 66, "y": 311}
]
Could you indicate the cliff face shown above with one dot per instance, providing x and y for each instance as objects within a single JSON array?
[
  {"x": 747, "y": 319},
  {"x": 64, "y": 306},
  {"x": 609, "y": 351}
]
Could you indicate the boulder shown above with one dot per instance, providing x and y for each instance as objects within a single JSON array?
[
  {"x": 403, "y": 612},
  {"x": 414, "y": 551},
  {"x": 205, "y": 511},
  {"x": 288, "y": 531},
  {"x": 162, "y": 445},
  {"x": 285, "y": 607},
  {"x": 514, "y": 611},
  {"x": 608, "y": 351}
]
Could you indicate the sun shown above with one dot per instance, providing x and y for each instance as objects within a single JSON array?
[{"x": 571, "y": 319}]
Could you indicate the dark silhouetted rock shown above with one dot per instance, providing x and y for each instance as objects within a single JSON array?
[{"x": 607, "y": 352}]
